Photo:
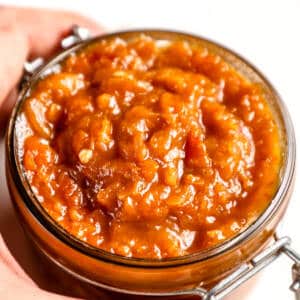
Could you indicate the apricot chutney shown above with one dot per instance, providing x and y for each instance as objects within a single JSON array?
[{"x": 150, "y": 149}]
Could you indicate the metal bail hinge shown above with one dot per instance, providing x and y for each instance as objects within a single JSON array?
[
  {"x": 29, "y": 68},
  {"x": 78, "y": 35}
]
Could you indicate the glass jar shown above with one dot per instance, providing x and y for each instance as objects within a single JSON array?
[{"x": 193, "y": 274}]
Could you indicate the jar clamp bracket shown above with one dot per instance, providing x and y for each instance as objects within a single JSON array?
[
  {"x": 259, "y": 262},
  {"x": 79, "y": 34}
]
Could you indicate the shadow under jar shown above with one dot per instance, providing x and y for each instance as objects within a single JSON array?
[{"x": 192, "y": 272}]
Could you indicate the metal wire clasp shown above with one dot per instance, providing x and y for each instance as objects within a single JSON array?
[
  {"x": 78, "y": 34},
  {"x": 262, "y": 260}
]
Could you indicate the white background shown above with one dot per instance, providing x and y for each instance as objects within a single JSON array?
[{"x": 265, "y": 32}]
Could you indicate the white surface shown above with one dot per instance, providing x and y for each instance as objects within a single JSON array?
[{"x": 265, "y": 32}]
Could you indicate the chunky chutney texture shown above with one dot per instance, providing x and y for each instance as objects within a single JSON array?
[{"x": 150, "y": 149}]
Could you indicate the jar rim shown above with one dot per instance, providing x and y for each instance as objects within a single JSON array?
[{"x": 32, "y": 203}]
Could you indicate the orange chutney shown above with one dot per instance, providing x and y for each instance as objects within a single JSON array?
[{"x": 150, "y": 149}]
